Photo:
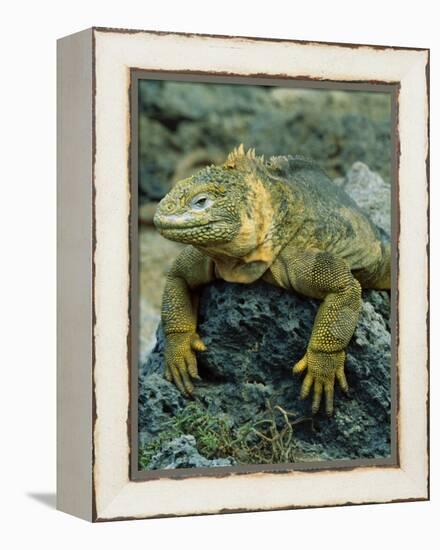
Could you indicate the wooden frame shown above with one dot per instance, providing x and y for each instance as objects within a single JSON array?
[{"x": 95, "y": 208}]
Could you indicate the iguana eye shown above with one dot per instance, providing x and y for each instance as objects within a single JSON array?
[{"x": 201, "y": 202}]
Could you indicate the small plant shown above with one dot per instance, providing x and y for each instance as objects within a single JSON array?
[{"x": 277, "y": 445}]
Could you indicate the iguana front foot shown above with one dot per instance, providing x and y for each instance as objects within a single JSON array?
[
  {"x": 322, "y": 369},
  {"x": 180, "y": 360}
]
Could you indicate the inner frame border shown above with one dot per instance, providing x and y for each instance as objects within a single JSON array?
[{"x": 282, "y": 81}]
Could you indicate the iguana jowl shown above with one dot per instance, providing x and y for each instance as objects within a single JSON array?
[{"x": 282, "y": 221}]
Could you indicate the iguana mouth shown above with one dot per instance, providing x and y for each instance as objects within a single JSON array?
[
  {"x": 181, "y": 221},
  {"x": 167, "y": 220},
  {"x": 177, "y": 226}
]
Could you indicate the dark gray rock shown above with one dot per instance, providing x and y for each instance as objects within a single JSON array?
[
  {"x": 335, "y": 129},
  {"x": 370, "y": 192},
  {"x": 158, "y": 400},
  {"x": 182, "y": 452},
  {"x": 157, "y": 159},
  {"x": 255, "y": 334}
]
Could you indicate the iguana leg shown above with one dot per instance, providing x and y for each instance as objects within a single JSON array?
[
  {"x": 179, "y": 317},
  {"x": 322, "y": 275}
]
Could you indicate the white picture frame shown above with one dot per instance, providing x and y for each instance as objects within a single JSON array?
[{"x": 95, "y": 459}]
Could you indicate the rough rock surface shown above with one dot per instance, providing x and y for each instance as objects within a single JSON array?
[
  {"x": 181, "y": 452},
  {"x": 370, "y": 192},
  {"x": 186, "y": 125},
  {"x": 254, "y": 334}
]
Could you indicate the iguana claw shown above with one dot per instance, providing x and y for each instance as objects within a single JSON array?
[
  {"x": 180, "y": 360},
  {"x": 322, "y": 369}
]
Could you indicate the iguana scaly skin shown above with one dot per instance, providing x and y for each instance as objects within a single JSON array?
[{"x": 282, "y": 221}]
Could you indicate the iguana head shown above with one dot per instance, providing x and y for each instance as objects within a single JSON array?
[{"x": 207, "y": 208}]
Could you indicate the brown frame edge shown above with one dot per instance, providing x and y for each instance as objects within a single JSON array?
[{"x": 119, "y": 30}]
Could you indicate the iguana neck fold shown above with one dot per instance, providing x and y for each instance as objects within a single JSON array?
[{"x": 264, "y": 230}]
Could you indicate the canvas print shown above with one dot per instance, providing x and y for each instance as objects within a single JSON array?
[{"x": 264, "y": 275}]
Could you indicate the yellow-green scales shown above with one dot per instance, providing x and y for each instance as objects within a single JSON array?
[{"x": 285, "y": 222}]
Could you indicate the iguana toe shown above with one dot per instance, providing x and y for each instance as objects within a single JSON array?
[{"x": 321, "y": 371}]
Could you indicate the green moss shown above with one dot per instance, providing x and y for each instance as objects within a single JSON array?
[{"x": 266, "y": 440}]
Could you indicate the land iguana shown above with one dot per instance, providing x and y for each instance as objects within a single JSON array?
[{"x": 285, "y": 222}]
